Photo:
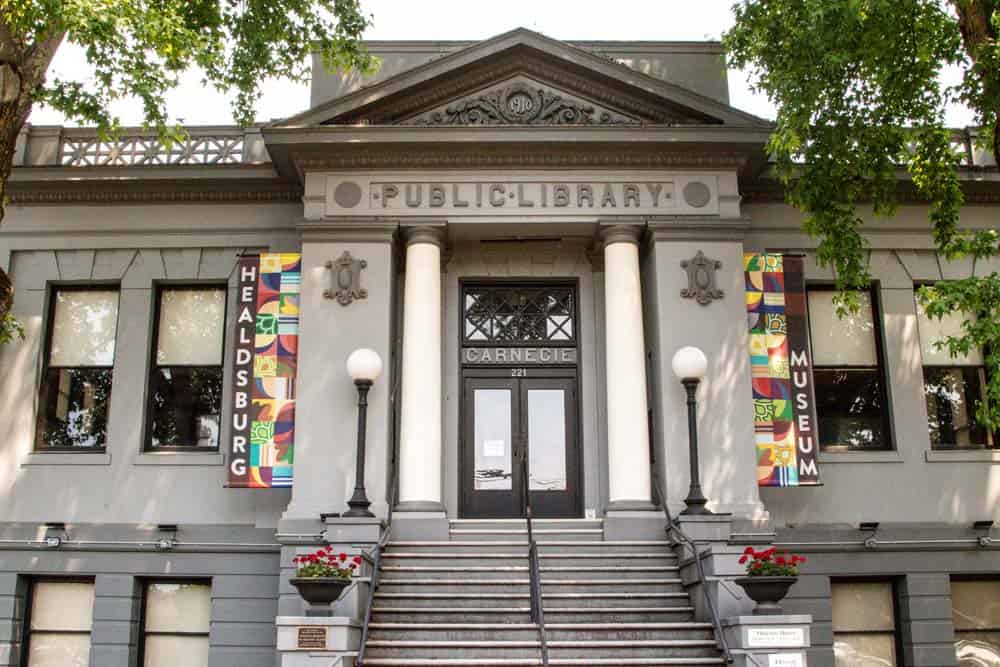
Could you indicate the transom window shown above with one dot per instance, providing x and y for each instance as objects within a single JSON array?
[{"x": 519, "y": 314}]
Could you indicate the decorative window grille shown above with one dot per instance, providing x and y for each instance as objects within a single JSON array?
[{"x": 519, "y": 314}]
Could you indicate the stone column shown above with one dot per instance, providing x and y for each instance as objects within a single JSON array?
[
  {"x": 628, "y": 433},
  {"x": 420, "y": 418}
]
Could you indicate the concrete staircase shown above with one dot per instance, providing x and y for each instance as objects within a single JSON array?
[{"x": 465, "y": 602}]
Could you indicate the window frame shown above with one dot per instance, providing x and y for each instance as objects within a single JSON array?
[
  {"x": 29, "y": 603},
  {"x": 881, "y": 368},
  {"x": 992, "y": 438},
  {"x": 897, "y": 631},
  {"x": 153, "y": 366},
  {"x": 51, "y": 290},
  {"x": 143, "y": 601}
]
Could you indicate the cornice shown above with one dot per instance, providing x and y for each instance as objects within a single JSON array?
[
  {"x": 102, "y": 193},
  {"x": 973, "y": 191},
  {"x": 517, "y": 156}
]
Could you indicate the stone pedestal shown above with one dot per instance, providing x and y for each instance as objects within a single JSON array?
[
  {"x": 768, "y": 641},
  {"x": 318, "y": 642}
]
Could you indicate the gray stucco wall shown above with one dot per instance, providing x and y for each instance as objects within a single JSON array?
[
  {"x": 243, "y": 568},
  {"x": 912, "y": 482},
  {"x": 135, "y": 247}
]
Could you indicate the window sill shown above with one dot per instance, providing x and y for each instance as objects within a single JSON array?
[
  {"x": 962, "y": 456},
  {"x": 179, "y": 459},
  {"x": 67, "y": 459},
  {"x": 860, "y": 457}
]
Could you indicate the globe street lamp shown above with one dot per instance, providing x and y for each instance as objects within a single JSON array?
[
  {"x": 364, "y": 366},
  {"x": 689, "y": 364}
]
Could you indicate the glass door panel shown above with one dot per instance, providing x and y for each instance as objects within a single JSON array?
[
  {"x": 546, "y": 440},
  {"x": 492, "y": 438}
]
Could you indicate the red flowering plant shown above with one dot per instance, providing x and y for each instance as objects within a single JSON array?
[
  {"x": 325, "y": 563},
  {"x": 769, "y": 563}
]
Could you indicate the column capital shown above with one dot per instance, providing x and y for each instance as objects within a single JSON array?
[
  {"x": 352, "y": 230},
  {"x": 621, "y": 233},
  {"x": 426, "y": 233}
]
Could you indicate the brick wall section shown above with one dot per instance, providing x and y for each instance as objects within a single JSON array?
[
  {"x": 925, "y": 620},
  {"x": 13, "y": 592},
  {"x": 811, "y": 595},
  {"x": 115, "y": 635}
]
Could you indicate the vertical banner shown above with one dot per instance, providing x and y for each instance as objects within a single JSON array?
[
  {"x": 264, "y": 364},
  {"x": 784, "y": 406}
]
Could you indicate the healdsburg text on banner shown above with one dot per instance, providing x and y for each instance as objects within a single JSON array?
[{"x": 264, "y": 367}]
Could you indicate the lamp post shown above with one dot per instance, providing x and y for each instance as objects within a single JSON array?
[
  {"x": 364, "y": 366},
  {"x": 689, "y": 364}
]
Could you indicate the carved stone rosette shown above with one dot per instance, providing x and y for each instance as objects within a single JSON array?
[
  {"x": 701, "y": 279},
  {"x": 346, "y": 279},
  {"x": 520, "y": 104}
]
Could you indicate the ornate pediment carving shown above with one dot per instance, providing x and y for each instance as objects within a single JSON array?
[{"x": 523, "y": 102}]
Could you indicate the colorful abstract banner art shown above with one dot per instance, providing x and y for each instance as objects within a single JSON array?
[
  {"x": 267, "y": 337},
  {"x": 784, "y": 406}
]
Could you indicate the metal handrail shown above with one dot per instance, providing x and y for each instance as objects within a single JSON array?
[
  {"x": 534, "y": 579},
  {"x": 374, "y": 558},
  {"x": 681, "y": 536}
]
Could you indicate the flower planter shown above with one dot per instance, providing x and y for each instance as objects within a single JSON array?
[
  {"x": 767, "y": 592},
  {"x": 320, "y": 592}
]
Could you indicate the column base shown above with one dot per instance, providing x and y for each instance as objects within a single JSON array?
[
  {"x": 418, "y": 520},
  {"x": 634, "y": 524},
  {"x": 352, "y": 530}
]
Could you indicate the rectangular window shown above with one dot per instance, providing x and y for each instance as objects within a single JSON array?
[
  {"x": 59, "y": 624},
  {"x": 976, "y": 617},
  {"x": 864, "y": 623},
  {"x": 185, "y": 384},
  {"x": 76, "y": 383},
  {"x": 847, "y": 371},
  {"x": 175, "y": 625},
  {"x": 952, "y": 385}
]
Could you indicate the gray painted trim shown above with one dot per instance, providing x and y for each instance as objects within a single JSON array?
[{"x": 962, "y": 456}]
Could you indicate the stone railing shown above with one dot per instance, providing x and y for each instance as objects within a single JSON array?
[{"x": 39, "y": 146}]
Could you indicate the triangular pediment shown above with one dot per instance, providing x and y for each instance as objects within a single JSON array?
[
  {"x": 523, "y": 78},
  {"x": 522, "y": 100}
]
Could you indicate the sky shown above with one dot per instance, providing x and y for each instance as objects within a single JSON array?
[{"x": 192, "y": 104}]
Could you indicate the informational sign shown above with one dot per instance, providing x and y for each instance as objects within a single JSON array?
[
  {"x": 786, "y": 660},
  {"x": 776, "y": 637},
  {"x": 311, "y": 637},
  {"x": 264, "y": 368},
  {"x": 784, "y": 406},
  {"x": 580, "y": 193},
  {"x": 518, "y": 356}
]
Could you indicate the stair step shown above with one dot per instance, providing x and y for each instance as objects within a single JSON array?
[
  {"x": 529, "y": 648},
  {"x": 522, "y": 614},
  {"x": 549, "y": 573},
  {"x": 545, "y": 546},
  {"x": 534, "y": 662},
  {"x": 540, "y": 534},
  {"x": 478, "y": 602},
  {"x": 556, "y": 632},
  {"x": 492, "y": 560}
]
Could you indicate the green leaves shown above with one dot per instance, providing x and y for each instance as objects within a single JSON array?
[
  {"x": 857, "y": 86},
  {"x": 139, "y": 48}
]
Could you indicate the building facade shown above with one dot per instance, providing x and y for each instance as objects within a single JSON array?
[{"x": 525, "y": 231}]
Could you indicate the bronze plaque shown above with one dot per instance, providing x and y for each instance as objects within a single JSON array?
[{"x": 312, "y": 638}]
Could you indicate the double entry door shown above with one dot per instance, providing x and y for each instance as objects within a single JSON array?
[{"x": 513, "y": 416}]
